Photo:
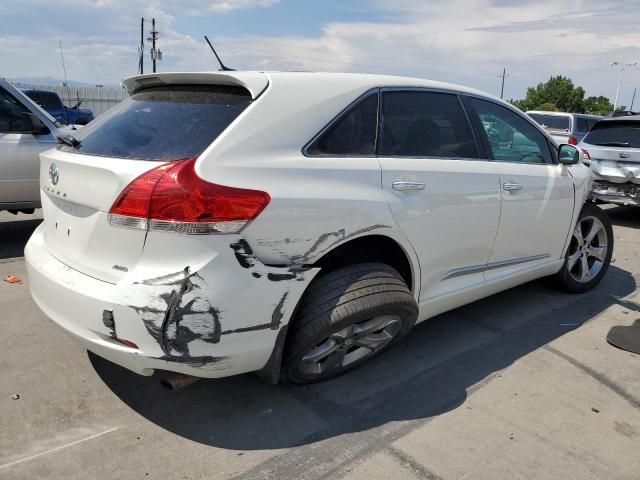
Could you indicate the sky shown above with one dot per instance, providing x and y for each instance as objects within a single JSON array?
[{"x": 461, "y": 41}]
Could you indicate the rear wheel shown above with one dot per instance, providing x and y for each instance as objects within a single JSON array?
[
  {"x": 345, "y": 318},
  {"x": 589, "y": 253}
]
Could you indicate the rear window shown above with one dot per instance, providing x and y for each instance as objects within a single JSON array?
[
  {"x": 163, "y": 122},
  {"x": 552, "y": 122},
  {"x": 585, "y": 124},
  {"x": 615, "y": 134},
  {"x": 354, "y": 133}
]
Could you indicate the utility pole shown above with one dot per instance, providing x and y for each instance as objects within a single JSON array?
[
  {"x": 156, "y": 54},
  {"x": 633, "y": 100},
  {"x": 141, "y": 48},
  {"x": 64, "y": 69},
  {"x": 621, "y": 65},
  {"x": 503, "y": 76}
]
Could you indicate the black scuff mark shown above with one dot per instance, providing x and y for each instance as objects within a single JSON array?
[
  {"x": 276, "y": 316},
  {"x": 322, "y": 245},
  {"x": 339, "y": 235},
  {"x": 183, "y": 321},
  {"x": 253, "y": 328},
  {"x": 244, "y": 253},
  {"x": 175, "y": 278},
  {"x": 278, "y": 277}
]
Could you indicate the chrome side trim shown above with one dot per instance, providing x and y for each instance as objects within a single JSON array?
[{"x": 459, "y": 272}]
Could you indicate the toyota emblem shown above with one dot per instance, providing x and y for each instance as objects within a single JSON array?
[
  {"x": 54, "y": 174},
  {"x": 624, "y": 155}
]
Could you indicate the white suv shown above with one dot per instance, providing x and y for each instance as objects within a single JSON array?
[{"x": 297, "y": 224}]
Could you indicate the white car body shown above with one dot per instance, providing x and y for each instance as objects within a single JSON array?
[
  {"x": 466, "y": 234},
  {"x": 19, "y": 160}
]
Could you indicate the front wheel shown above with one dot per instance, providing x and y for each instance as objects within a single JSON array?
[
  {"x": 589, "y": 253},
  {"x": 345, "y": 318}
]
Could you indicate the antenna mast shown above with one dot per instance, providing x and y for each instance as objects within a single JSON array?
[
  {"x": 64, "y": 69},
  {"x": 141, "y": 48},
  {"x": 222, "y": 65}
]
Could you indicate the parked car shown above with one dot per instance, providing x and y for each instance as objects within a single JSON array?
[
  {"x": 53, "y": 104},
  {"x": 612, "y": 148},
  {"x": 298, "y": 224},
  {"x": 565, "y": 127},
  {"x": 25, "y": 131}
]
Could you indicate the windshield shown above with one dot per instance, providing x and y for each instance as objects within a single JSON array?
[
  {"x": 167, "y": 122},
  {"x": 33, "y": 105},
  {"x": 552, "y": 122},
  {"x": 622, "y": 134}
]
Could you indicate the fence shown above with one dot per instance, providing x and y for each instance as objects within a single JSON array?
[{"x": 97, "y": 99}]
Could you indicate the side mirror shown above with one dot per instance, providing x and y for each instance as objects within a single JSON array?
[{"x": 568, "y": 155}]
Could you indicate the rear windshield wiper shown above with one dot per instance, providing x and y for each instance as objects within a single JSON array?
[
  {"x": 614, "y": 144},
  {"x": 69, "y": 140}
]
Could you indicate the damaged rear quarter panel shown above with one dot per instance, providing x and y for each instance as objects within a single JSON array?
[{"x": 223, "y": 314}]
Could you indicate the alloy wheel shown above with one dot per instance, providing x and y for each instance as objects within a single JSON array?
[
  {"x": 588, "y": 250},
  {"x": 349, "y": 345}
]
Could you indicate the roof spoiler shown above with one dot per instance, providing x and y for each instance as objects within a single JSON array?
[{"x": 254, "y": 82}]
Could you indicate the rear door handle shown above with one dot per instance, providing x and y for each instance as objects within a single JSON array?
[
  {"x": 404, "y": 186},
  {"x": 510, "y": 187}
]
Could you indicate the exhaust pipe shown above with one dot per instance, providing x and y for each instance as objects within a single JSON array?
[{"x": 178, "y": 381}]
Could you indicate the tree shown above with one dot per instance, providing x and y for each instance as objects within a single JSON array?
[
  {"x": 559, "y": 91},
  {"x": 547, "y": 107},
  {"x": 597, "y": 105}
]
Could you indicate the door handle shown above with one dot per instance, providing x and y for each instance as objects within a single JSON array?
[
  {"x": 405, "y": 186},
  {"x": 510, "y": 187}
]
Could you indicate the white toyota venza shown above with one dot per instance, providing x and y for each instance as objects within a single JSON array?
[{"x": 297, "y": 224}]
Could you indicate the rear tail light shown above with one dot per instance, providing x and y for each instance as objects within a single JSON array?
[
  {"x": 585, "y": 155},
  {"x": 573, "y": 141},
  {"x": 173, "y": 198}
]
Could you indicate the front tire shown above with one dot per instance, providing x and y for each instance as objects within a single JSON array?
[
  {"x": 589, "y": 253},
  {"x": 345, "y": 318}
]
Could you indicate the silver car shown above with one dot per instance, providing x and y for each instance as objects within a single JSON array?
[
  {"x": 565, "y": 127},
  {"x": 612, "y": 148},
  {"x": 25, "y": 131}
]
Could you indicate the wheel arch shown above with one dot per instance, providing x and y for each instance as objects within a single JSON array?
[{"x": 372, "y": 248}]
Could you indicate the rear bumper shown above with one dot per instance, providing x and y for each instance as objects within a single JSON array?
[
  {"x": 218, "y": 321},
  {"x": 616, "y": 193}
]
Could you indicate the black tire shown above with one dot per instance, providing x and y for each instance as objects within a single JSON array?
[
  {"x": 565, "y": 278},
  {"x": 347, "y": 299}
]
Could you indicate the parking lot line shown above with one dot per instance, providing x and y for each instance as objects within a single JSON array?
[{"x": 52, "y": 450}]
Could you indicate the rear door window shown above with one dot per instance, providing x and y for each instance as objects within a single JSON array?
[
  {"x": 352, "y": 134},
  {"x": 163, "y": 122},
  {"x": 615, "y": 134},
  {"x": 425, "y": 124}
]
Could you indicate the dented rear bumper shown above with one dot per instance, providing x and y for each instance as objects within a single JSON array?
[{"x": 218, "y": 318}]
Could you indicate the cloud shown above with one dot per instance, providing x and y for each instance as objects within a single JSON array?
[{"x": 463, "y": 41}]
